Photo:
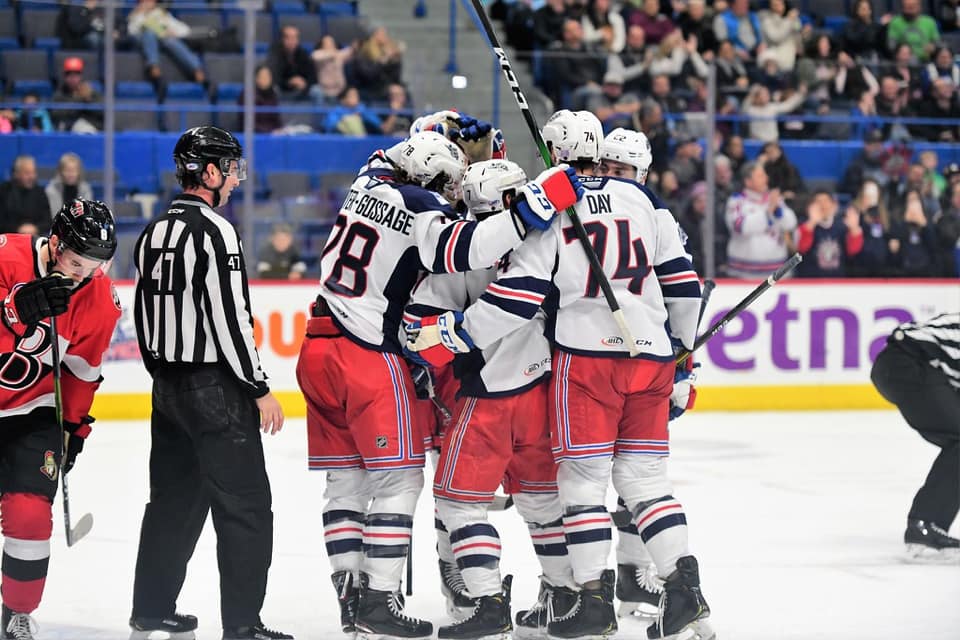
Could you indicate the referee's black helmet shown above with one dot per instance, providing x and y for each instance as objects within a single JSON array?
[
  {"x": 200, "y": 146},
  {"x": 86, "y": 227}
]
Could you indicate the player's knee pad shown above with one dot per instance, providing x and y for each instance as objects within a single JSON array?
[
  {"x": 456, "y": 515},
  {"x": 583, "y": 481},
  {"x": 346, "y": 490},
  {"x": 26, "y": 516},
  {"x": 639, "y": 479},
  {"x": 539, "y": 508},
  {"x": 395, "y": 491}
]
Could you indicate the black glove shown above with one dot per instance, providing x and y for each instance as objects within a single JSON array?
[
  {"x": 422, "y": 381},
  {"x": 30, "y": 303},
  {"x": 77, "y": 434}
]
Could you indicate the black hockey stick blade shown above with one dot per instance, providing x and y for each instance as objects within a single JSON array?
[{"x": 84, "y": 525}]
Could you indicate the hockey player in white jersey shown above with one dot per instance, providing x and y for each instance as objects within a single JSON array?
[
  {"x": 501, "y": 433},
  {"x": 605, "y": 406},
  {"x": 627, "y": 154},
  {"x": 362, "y": 426}
]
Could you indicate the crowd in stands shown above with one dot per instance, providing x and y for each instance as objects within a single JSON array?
[{"x": 352, "y": 87}]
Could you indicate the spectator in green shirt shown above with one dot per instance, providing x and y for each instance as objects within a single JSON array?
[{"x": 910, "y": 27}]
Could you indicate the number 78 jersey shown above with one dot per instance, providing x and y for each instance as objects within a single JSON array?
[{"x": 639, "y": 245}]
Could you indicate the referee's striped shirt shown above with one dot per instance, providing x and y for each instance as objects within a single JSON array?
[
  {"x": 192, "y": 300},
  {"x": 937, "y": 340}
]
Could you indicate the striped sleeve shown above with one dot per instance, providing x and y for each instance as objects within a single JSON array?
[
  {"x": 227, "y": 301},
  {"x": 679, "y": 283},
  {"x": 515, "y": 297},
  {"x": 463, "y": 245}
]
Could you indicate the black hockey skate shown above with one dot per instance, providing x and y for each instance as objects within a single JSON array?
[
  {"x": 18, "y": 626},
  {"x": 682, "y": 606},
  {"x": 347, "y": 595},
  {"x": 927, "y": 542},
  {"x": 592, "y": 617},
  {"x": 380, "y": 615},
  {"x": 257, "y": 631},
  {"x": 490, "y": 619},
  {"x": 552, "y": 602},
  {"x": 459, "y": 604},
  {"x": 178, "y": 626},
  {"x": 638, "y": 590}
]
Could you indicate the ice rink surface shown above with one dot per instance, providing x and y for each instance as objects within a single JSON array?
[{"x": 797, "y": 520}]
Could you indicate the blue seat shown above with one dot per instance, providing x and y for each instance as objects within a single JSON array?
[
  {"x": 229, "y": 91},
  {"x": 288, "y": 7},
  {"x": 135, "y": 89},
  {"x": 8, "y": 43},
  {"x": 336, "y": 7},
  {"x": 185, "y": 91},
  {"x": 51, "y": 44},
  {"x": 42, "y": 88}
]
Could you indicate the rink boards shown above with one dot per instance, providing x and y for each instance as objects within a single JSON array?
[{"x": 804, "y": 345}]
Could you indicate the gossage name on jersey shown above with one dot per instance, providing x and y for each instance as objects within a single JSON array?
[{"x": 379, "y": 211}]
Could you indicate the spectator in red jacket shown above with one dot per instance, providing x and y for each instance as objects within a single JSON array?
[{"x": 826, "y": 242}]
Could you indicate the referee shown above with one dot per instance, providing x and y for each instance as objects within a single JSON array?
[
  {"x": 919, "y": 371},
  {"x": 210, "y": 397}
]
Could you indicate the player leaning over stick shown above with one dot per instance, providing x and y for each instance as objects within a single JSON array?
[
  {"x": 605, "y": 406},
  {"x": 395, "y": 224},
  {"x": 40, "y": 278},
  {"x": 500, "y": 434}
]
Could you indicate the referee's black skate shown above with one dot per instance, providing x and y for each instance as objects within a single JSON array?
[
  {"x": 552, "y": 602},
  {"x": 927, "y": 542},
  {"x": 490, "y": 619},
  {"x": 638, "y": 590},
  {"x": 459, "y": 604},
  {"x": 17, "y": 626},
  {"x": 347, "y": 595},
  {"x": 682, "y": 606},
  {"x": 178, "y": 626},
  {"x": 257, "y": 631},
  {"x": 592, "y": 617},
  {"x": 380, "y": 616}
]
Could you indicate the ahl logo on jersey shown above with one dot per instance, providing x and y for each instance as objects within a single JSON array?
[{"x": 49, "y": 467}]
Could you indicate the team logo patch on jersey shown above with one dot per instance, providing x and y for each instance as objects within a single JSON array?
[
  {"x": 381, "y": 442},
  {"x": 49, "y": 467},
  {"x": 76, "y": 209}
]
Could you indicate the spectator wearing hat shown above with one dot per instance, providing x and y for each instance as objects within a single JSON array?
[
  {"x": 614, "y": 107},
  {"x": 827, "y": 242},
  {"x": 278, "y": 258},
  {"x": 74, "y": 89},
  {"x": 23, "y": 204}
]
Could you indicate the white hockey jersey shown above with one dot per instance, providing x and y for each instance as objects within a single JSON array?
[
  {"x": 508, "y": 366},
  {"x": 638, "y": 243},
  {"x": 756, "y": 247},
  {"x": 386, "y": 235}
]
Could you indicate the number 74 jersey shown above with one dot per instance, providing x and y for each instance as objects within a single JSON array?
[{"x": 638, "y": 243}]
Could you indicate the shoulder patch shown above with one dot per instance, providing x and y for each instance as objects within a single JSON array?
[{"x": 116, "y": 297}]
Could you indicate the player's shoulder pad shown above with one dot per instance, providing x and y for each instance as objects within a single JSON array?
[
  {"x": 416, "y": 199},
  {"x": 17, "y": 247}
]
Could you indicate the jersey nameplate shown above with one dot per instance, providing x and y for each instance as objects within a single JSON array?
[{"x": 379, "y": 211}]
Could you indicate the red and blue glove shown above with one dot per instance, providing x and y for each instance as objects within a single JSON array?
[
  {"x": 684, "y": 394},
  {"x": 470, "y": 129},
  {"x": 433, "y": 341},
  {"x": 553, "y": 190}
]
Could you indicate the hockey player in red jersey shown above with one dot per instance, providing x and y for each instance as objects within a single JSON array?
[
  {"x": 40, "y": 278},
  {"x": 395, "y": 223},
  {"x": 608, "y": 411}
]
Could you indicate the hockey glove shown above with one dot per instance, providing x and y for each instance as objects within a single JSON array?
[
  {"x": 422, "y": 382},
  {"x": 432, "y": 341},
  {"x": 552, "y": 191},
  {"x": 76, "y": 435},
  {"x": 28, "y": 304},
  {"x": 470, "y": 129},
  {"x": 684, "y": 394}
]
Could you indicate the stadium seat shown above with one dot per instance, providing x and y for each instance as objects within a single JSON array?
[
  {"x": 303, "y": 208},
  {"x": 127, "y": 209},
  {"x": 817, "y": 184},
  {"x": 335, "y": 7},
  {"x": 38, "y": 23},
  {"x": 186, "y": 91},
  {"x": 264, "y": 26},
  {"x": 310, "y": 26},
  {"x": 40, "y": 88},
  {"x": 25, "y": 64},
  {"x": 346, "y": 29},
  {"x": 8, "y": 29},
  {"x": 129, "y": 66},
  {"x": 200, "y": 20},
  {"x": 224, "y": 67},
  {"x": 288, "y": 184},
  {"x": 184, "y": 114},
  {"x": 172, "y": 72},
  {"x": 134, "y": 89},
  {"x": 229, "y": 92},
  {"x": 136, "y": 116},
  {"x": 288, "y": 7}
]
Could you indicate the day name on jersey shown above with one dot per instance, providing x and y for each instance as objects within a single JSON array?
[
  {"x": 379, "y": 211},
  {"x": 598, "y": 203}
]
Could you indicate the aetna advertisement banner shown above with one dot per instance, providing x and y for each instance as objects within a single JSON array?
[{"x": 798, "y": 333}]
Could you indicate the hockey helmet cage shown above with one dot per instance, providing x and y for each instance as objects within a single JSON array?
[
  {"x": 204, "y": 145},
  {"x": 86, "y": 227},
  {"x": 433, "y": 162},
  {"x": 629, "y": 147},
  {"x": 574, "y": 136},
  {"x": 484, "y": 184}
]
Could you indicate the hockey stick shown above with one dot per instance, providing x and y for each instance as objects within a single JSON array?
[
  {"x": 596, "y": 269},
  {"x": 85, "y": 524},
  {"x": 410, "y": 565}
]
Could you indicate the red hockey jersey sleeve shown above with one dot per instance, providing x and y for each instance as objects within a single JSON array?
[{"x": 93, "y": 314}]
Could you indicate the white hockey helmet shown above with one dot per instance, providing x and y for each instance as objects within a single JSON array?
[
  {"x": 485, "y": 182},
  {"x": 431, "y": 161},
  {"x": 628, "y": 147},
  {"x": 573, "y": 136}
]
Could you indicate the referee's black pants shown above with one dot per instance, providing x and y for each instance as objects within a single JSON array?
[
  {"x": 206, "y": 455},
  {"x": 931, "y": 406}
]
